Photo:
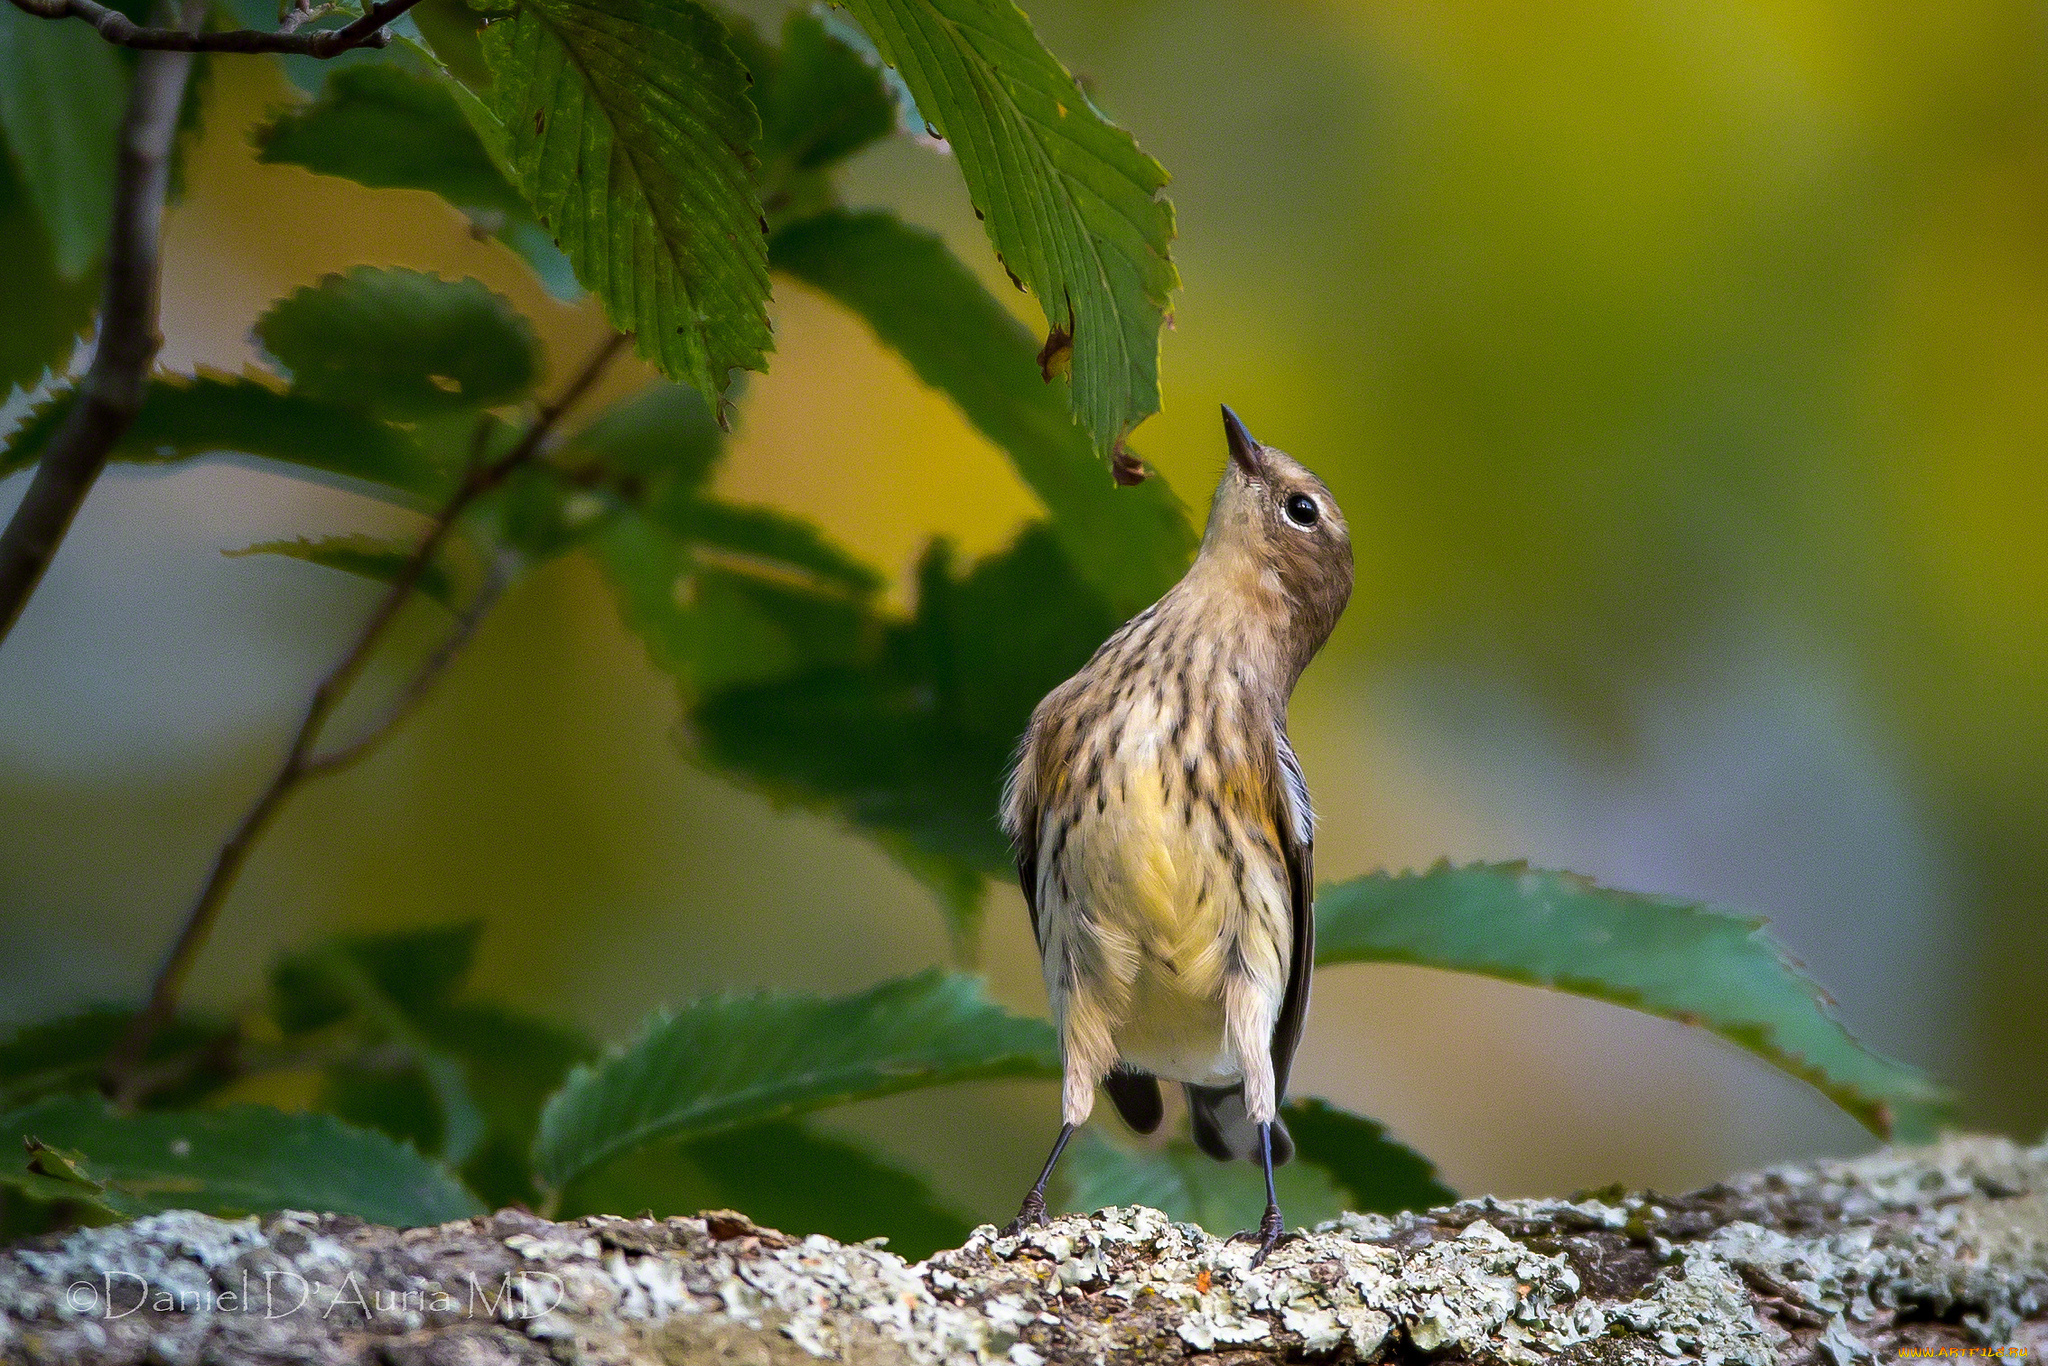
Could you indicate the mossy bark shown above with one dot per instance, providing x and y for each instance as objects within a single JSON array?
[{"x": 1929, "y": 1251}]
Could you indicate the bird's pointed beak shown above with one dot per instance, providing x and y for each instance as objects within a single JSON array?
[{"x": 1244, "y": 451}]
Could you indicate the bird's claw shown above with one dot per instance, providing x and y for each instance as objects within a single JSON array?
[
  {"x": 1031, "y": 1214},
  {"x": 1268, "y": 1235}
]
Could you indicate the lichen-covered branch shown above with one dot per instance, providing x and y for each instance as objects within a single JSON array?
[{"x": 1906, "y": 1252}]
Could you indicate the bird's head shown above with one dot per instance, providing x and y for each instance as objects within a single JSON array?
[{"x": 1275, "y": 528}]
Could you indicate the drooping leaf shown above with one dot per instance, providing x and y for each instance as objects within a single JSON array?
[
  {"x": 62, "y": 92},
  {"x": 784, "y": 1175},
  {"x": 911, "y": 742},
  {"x": 402, "y": 343},
  {"x": 66, "y": 1054},
  {"x": 240, "y": 1160},
  {"x": 184, "y": 417},
  {"x": 1130, "y": 543},
  {"x": 366, "y": 557},
  {"x": 42, "y": 315},
  {"x": 630, "y": 133},
  {"x": 735, "y": 1060},
  {"x": 1377, "y": 1174},
  {"x": 1184, "y": 1183},
  {"x": 1073, "y": 208},
  {"x": 1656, "y": 954}
]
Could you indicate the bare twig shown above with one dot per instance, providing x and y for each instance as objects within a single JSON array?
[
  {"x": 367, "y": 31},
  {"x": 422, "y": 681},
  {"x": 112, "y": 391},
  {"x": 300, "y": 760}
]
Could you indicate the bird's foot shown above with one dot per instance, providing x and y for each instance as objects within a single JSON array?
[
  {"x": 1267, "y": 1235},
  {"x": 1030, "y": 1214}
]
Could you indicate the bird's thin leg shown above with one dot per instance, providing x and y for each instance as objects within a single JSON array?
[
  {"x": 1032, "y": 1211},
  {"x": 1270, "y": 1226}
]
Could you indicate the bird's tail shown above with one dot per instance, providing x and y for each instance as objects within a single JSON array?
[{"x": 1223, "y": 1129}]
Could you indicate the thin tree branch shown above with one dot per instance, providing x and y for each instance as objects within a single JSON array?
[
  {"x": 300, "y": 761},
  {"x": 112, "y": 391},
  {"x": 422, "y": 681},
  {"x": 117, "y": 28}
]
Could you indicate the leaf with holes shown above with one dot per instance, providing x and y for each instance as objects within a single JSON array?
[
  {"x": 629, "y": 130},
  {"x": 1073, "y": 208},
  {"x": 1656, "y": 954},
  {"x": 401, "y": 343},
  {"x": 739, "y": 1059}
]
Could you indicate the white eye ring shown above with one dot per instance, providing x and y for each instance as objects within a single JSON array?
[{"x": 1303, "y": 510}]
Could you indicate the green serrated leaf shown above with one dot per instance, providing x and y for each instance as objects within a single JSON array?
[
  {"x": 1073, "y": 208},
  {"x": 184, "y": 417},
  {"x": 514, "y": 1063},
  {"x": 769, "y": 544},
  {"x": 911, "y": 741},
  {"x": 736, "y": 1060},
  {"x": 720, "y": 620},
  {"x": 665, "y": 432},
  {"x": 1183, "y": 1183},
  {"x": 1378, "y": 1175},
  {"x": 62, "y": 92},
  {"x": 53, "y": 1174},
  {"x": 629, "y": 130},
  {"x": 418, "y": 970},
  {"x": 402, "y": 343},
  {"x": 389, "y": 128},
  {"x": 1131, "y": 544},
  {"x": 1656, "y": 954},
  {"x": 66, "y": 1054},
  {"x": 366, "y": 557},
  {"x": 42, "y": 315},
  {"x": 241, "y": 1160},
  {"x": 459, "y": 1126},
  {"x": 784, "y": 1175}
]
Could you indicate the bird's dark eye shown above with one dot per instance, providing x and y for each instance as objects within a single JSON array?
[{"x": 1302, "y": 510}]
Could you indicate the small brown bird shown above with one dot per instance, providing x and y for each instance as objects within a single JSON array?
[{"x": 1163, "y": 832}]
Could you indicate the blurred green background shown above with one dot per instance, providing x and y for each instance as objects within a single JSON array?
[{"x": 1682, "y": 369}]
